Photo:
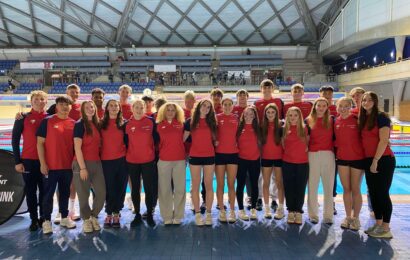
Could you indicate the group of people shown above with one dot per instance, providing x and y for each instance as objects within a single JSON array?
[{"x": 289, "y": 146}]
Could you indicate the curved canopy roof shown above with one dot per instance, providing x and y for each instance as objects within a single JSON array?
[{"x": 123, "y": 23}]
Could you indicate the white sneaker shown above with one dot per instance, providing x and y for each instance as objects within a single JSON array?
[
  {"x": 242, "y": 215},
  {"x": 47, "y": 227},
  {"x": 73, "y": 215},
  {"x": 208, "y": 219},
  {"x": 94, "y": 222},
  {"x": 198, "y": 219},
  {"x": 67, "y": 223},
  {"x": 268, "y": 213},
  {"x": 232, "y": 217},
  {"x": 176, "y": 222},
  {"x": 87, "y": 226},
  {"x": 57, "y": 219},
  {"x": 253, "y": 214},
  {"x": 222, "y": 216},
  {"x": 280, "y": 213}
]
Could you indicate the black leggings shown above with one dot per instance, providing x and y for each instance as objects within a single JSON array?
[
  {"x": 253, "y": 168},
  {"x": 116, "y": 178},
  {"x": 150, "y": 181},
  {"x": 295, "y": 177},
  {"x": 379, "y": 186}
]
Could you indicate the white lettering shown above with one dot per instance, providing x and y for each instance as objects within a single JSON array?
[
  {"x": 3, "y": 182},
  {"x": 6, "y": 196}
]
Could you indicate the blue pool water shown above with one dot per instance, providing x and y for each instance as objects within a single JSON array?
[{"x": 401, "y": 180}]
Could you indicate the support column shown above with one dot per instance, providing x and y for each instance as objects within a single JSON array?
[
  {"x": 398, "y": 88},
  {"x": 399, "y": 42}
]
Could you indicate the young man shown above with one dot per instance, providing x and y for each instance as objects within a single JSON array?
[
  {"x": 189, "y": 102},
  {"x": 149, "y": 104},
  {"x": 125, "y": 92},
  {"x": 327, "y": 92},
  {"x": 242, "y": 97},
  {"x": 73, "y": 91},
  {"x": 216, "y": 97},
  {"x": 27, "y": 163},
  {"x": 55, "y": 149},
  {"x": 266, "y": 88},
  {"x": 297, "y": 92},
  {"x": 97, "y": 96}
]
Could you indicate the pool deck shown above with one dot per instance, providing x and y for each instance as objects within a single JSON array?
[{"x": 261, "y": 239}]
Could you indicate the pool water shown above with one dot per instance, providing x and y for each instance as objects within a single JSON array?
[{"x": 400, "y": 144}]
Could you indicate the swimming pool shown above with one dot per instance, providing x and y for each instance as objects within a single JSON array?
[{"x": 400, "y": 144}]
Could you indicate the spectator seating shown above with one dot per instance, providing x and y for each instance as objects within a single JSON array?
[
  {"x": 26, "y": 88},
  {"x": 108, "y": 87},
  {"x": 8, "y": 64},
  {"x": 67, "y": 58}
]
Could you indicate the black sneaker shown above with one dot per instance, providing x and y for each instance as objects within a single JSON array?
[
  {"x": 40, "y": 222},
  {"x": 137, "y": 220},
  {"x": 150, "y": 221},
  {"x": 219, "y": 208},
  {"x": 34, "y": 225},
  {"x": 259, "y": 205},
  {"x": 274, "y": 205},
  {"x": 203, "y": 208},
  {"x": 144, "y": 215},
  {"x": 334, "y": 209}
]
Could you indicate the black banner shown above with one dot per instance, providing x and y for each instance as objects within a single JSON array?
[{"x": 11, "y": 187}]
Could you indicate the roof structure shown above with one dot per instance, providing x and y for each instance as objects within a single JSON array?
[{"x": 123, "y": 23}]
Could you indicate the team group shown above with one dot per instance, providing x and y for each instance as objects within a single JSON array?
[{"x": 84, "y": 148}]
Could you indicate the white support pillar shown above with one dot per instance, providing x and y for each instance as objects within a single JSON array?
[
  {"x": 398, "y": 88},
  {"x": 399, "y": 42}
]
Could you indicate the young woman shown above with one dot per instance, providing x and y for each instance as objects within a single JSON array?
[
  {"x": 321, "y": 160},
  {"x": 113, "y": 162},
  {"x": 87, "y": 168},
  {"x": 249, "y": 140},
  {"x": 295, "y": 167},
  {"x": 349, "y": 154},
  {"x": 380, "y": 162},
  {"x": 125, "y": 92},
  {"x": 140, "y": 132},
  {"x": 202, "y": 128},
  {"x": 226, "y": 158},
  {"x": 171, "y": 163},
  {"x": 272, "y": 157}
]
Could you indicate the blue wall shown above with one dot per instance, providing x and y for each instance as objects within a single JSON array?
[
  {"x": 406, "y": 51},
  {"x": 381, "y": 50}
]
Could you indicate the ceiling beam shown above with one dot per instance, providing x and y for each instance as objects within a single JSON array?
[
  {"x": 92, "y": 19},
  {"x": 45, "y": 23},
  {"x": 278, "y": 14},
  {"x": 330, "y": 16},
  {"x": 307, "y": 19},
  {"x": 72, "y": 20},
  {"x": 126, "y": 17},
  {"x": 246, "y": 14},
  {"x": 215, "y": 16},
  {"x": 5, "y": 25}
]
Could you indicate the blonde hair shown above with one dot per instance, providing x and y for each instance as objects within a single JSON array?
[
  {"x": 138, "y": 102},
  {"x": 347, "y": 99},
  {"x": 312, "y": 118},
  {"x": 179, "y": 116},
  {"x": 297, "y": 86},
  {"x": 300, "y": 125},
  {"x": 73, "y": 86},
  {"x": 125, "y": 86},
  {"x": 189, "y": 94},
  {"x": 36, "y": 93},
  {"x": 356, "y": 90}
]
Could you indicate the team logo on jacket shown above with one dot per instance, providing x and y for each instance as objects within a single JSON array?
[
  {"x": 32, "y": 121},
  {"x": 55, "y": 126},
  {"x": 133, "y": 129}
]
